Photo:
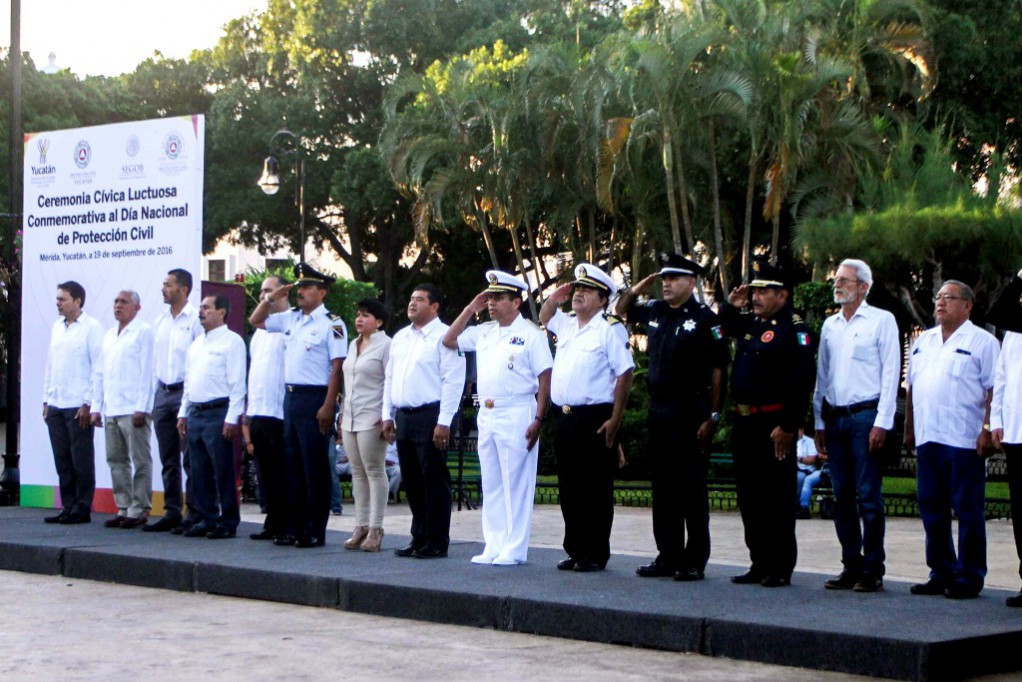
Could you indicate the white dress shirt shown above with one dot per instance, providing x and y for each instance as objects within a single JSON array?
[
  {"x": 123, "y": 381},
  {"x": 364, "y": 374},
  {"x": 173, "y": 337},
  {"x": 74, "y": 354},
  {"x": 859, "y": 360},
  {"x": 421, "y": 370},
  {"x": 1006, "y": 408},
  {"x": 509, "y": 359},
  {"x": 214, "y": 369},
  {"x": 804, "y": 449},
  {"x": 949, "y": 381},
  {"x": 266, "y": 375},
  {"x": 588, "y": 361},
  {"x": 311, "y": 343}
]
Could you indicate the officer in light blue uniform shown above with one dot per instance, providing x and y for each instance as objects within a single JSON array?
[{"x": 316, "y": 342}]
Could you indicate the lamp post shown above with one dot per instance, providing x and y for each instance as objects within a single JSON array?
[{"x": 270, "y": 180}]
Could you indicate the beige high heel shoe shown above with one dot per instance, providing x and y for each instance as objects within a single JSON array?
[
  {"x": 373, "y": 542},
  {"x": 357, "y": 537}
]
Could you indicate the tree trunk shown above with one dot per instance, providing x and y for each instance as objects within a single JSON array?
[
  {"x": 750, "y": 194},
  {"x": 488, "y": 239},
  {"x": 775, "y": 238},
  {"x": 531, "y": 236},
  {"x": 592, "y": 235},
  {"x": 686, "y": 218},
  {"x": 669, "y": 178},
  {"x": 521, "y": 268},
  {"x": 718, "y": 231}
]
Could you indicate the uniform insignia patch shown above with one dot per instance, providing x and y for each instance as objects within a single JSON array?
[
  {"x": 517, "y": 341},
  {"x": 803, "y": 339},
  {"x": 716, "y": 332},
  {"x": 338, "y": 331},
  {"x": 767, "y": 337},
  {"x": 689, "y": 325},
  {"x": 612, "y": 318}
]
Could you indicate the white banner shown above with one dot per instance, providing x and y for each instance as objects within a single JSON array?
[{"x": 111, "y": 207}]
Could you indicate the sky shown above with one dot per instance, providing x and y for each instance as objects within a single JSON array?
[{"x": 110, "y": 37}]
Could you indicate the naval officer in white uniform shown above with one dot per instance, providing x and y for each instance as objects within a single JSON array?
[{"x": 513, "y": 364}]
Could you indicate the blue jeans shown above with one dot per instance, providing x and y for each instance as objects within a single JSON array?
[
  {"x": 953, "y": 478},
  {"x": 806, "y": 483},
  {"x": 855, "y": 473},
  {"x": 335, "y": 483}
]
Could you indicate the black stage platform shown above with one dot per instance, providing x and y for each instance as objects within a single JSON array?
[{"x": 887, "y": 634}]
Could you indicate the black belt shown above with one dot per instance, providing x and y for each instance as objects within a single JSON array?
[
  {"x": 210, "y": 404},
  {"x": 420, "y": 408},
  {"x": 848, "y": 410},
  {"x": 304, "y": 388},
  {"x": 170, "y": 388}
]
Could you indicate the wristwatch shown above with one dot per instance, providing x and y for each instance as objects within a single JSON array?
[{"x": 715, "y": 417}]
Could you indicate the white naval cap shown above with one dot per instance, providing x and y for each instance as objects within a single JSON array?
[
  {"x": 588, "y": 275},
  {"x": 501, "y": 282}
]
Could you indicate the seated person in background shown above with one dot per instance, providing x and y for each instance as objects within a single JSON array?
[
  {"x": 343, "y": 465},
  {"x": 393, "y": 470},
  {"x": 808, "y": 472}
]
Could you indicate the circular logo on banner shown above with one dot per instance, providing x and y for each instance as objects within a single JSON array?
[
  {"x": 172, "y": 146},
  {"x": 133, "y": 145},
  {"x": 767, "y": 337},
  {"x": 83, "y": 154}
]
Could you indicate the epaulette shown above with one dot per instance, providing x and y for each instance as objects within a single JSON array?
[{"x": 611, "y": 318}]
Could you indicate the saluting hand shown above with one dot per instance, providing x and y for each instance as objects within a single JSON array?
[
  {"x": 739, "y": 296},
  {"x": 561, "y": 293},
  {"x": 644, "y": 285},
  {"x": 479, "y": 303},
  {"x": 280, "y": 292}
]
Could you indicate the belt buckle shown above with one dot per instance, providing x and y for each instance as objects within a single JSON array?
[
  {"x": 744, "y": 410},
  {"x": 290, "y": 388},
  {"x": 566, "y": 409},
  {"x": 488, "y": 403}
]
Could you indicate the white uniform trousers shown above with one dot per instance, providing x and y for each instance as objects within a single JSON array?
[{"x": 509, "y": 479}]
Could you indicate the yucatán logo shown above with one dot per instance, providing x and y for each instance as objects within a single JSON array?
[
  {"x": 83, "y": 154},
  {"x": 43, "y": 169},
  {"x": 172, "y": 146},
  {"x": 43, "y": 145}
]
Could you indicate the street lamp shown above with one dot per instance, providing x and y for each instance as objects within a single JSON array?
[{"x": 270, "y": 179}]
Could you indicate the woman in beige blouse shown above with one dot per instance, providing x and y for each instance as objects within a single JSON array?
[{"x": 360, "y": 424}]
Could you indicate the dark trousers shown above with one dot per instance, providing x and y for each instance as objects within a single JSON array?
[
  {"x": 74, "y": 456},
  {"x": 173, "y": 455},
  {"x": 950, "y": 478},
  {"x": 585, "y": 475},
  {"x": 679, "y": 470},
  {"x": 766, "y": 488},
  {"x": 857, "y": 473},
  {"x": 306, "y": 464},
  {"x": 267, "y": 435},
  {"x": 426, "y": 478},
  {"x": 1013, "y": 453},
  {"x": 212, "y": 464}
]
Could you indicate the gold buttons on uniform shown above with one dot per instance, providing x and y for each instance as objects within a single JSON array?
[{"x": 566, "y": 409}]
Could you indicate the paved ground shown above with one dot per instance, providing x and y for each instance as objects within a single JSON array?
[{"x": 52, "y": 626}]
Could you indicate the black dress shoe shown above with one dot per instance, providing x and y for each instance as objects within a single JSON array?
[
  {"x": 846, "y": 581},
  {"x": 56, "y": 518},
  {"x": 961, "y": 591},
  {"x": 261, "y": 535},
  {"x": 221, "y": 533},
  {"x": 656, "y": 569},
  {"x": 930, "y": 588},
  {"x": 306, "y": 542},
  {"x": 869, "y": 583},
  {"x": 406, "y": 551},
  {"x": 284, "y": 540},
  {"x": 566, "y": 564},
  {"x": 587, "y": 567},
  {"x": 748, "y": 578},
  {"x": 75, "y": 518},
  {"x": 199, "y": 530},
  {"x": 1014, "y": 601},
  {"x": 776, "y": 581},
  {"x": 429, "y": 553},
  {"x": 162, "y": 526},
  {"x": 687, "y": 575}
]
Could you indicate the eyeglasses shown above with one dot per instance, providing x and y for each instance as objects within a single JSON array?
[
  {"x": 948, "y": 297},
  {"x": 842, "y": 281}
]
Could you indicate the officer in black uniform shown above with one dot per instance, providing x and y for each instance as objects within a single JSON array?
[
  {"x": 688, "y": 360},
  {"x": 771, "y": 382}
]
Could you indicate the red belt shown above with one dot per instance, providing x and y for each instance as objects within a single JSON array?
[{"x": 746, "y": 410}]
